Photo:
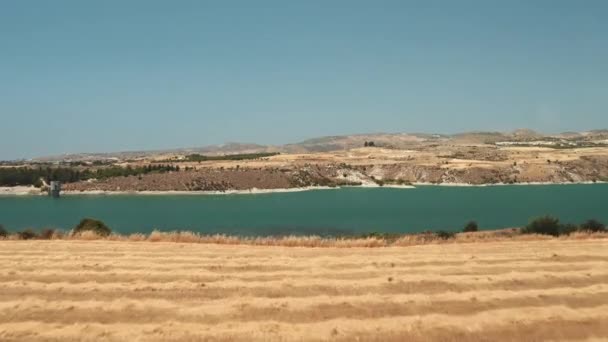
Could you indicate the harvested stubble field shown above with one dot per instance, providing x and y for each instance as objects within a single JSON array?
[{"x": 525, "y": 290}]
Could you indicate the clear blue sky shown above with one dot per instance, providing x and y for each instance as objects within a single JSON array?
[{"x": 95, "y": 76}]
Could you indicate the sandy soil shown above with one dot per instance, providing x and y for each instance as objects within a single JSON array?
[{"x": 129, "y": 291}]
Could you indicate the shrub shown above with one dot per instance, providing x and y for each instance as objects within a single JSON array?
[
  {"x": 444, "y": 235},
  {"x": 546, "y": 225},
  {"x": 471, "y": 227},
  {"x": 593, "y": 226},
  {"x": 3, "y": 232},
  {"x": 27, "y": 234},
  {"x": 89, "y": 224}
]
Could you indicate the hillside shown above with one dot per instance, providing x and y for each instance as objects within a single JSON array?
[{"x": 344, "y": 142}]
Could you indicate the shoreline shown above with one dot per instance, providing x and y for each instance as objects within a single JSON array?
[
  {"x": 32, "y": 191},
  {"x": 252, "y": 191},
  {"x": 343, "y": 241},
  {"x": 508, "y": 184}
]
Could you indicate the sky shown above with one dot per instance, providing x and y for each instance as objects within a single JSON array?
[{"x": 115, "y": 75}]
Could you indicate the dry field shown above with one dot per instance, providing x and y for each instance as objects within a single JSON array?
[
  {"x": 459, "y": 156},
  {"x": 70, "y": 290}
]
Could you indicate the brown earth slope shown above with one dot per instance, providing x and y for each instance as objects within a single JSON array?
[
  {"x": 126, "y": 291},
  {"x": 445, "y": 164}
]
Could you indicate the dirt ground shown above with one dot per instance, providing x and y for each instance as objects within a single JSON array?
[{"x": 144, "y": 291}]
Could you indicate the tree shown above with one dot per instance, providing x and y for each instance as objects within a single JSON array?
[
  {"x": 3, "y": 232},
  {"x": 471, "y": 227}
]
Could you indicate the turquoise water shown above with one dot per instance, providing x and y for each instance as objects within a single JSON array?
[{"x": 327, "y": 212}]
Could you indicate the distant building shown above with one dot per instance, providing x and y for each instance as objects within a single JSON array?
[{"x": 55, "y": 189}]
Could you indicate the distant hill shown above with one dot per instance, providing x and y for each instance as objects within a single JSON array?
[
  {"x": 479, "y": 137},
  {"x": 341, "y": 142}
]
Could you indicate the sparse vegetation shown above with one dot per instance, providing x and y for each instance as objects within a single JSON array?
[
  {"x": 118, "y": 171},
  {"x": 374, "y": 239},
  {"x": 379, "y": 236},
  {"x": 92, "y": 229},
  {"x": 93, "y": 225},
  {"x": 593, "y": 226},
  {"x": 445, "y": 235},
  {"x": 27, "y": 234},
  {"x": 46, "y": 233},
  {"x": 548, "y": 225}
]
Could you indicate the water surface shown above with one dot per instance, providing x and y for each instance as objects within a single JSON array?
[{"x": 327, "y": 212}]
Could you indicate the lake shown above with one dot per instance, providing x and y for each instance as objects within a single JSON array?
[{"x": 326, "y": 212}]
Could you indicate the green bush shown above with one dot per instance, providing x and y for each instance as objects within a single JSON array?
[
  {"x": 545, "y": 225},
  {"x": 471, "y": 227},
  {"x": 3, "y": 232},
  {"x": 593, "y": 226},
  {"x": 89, "y": 224}
]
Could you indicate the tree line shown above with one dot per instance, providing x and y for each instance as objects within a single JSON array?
[
  {"x": 243, "y": 156},
  {"x": 14, "y": 176}
]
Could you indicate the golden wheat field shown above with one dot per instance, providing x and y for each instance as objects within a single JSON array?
[{"x": 71, "y": 290}]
